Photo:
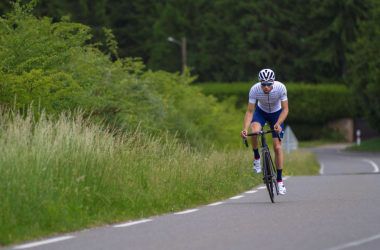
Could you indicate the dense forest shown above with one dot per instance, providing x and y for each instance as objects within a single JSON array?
[{"x": 227, "y": 40}]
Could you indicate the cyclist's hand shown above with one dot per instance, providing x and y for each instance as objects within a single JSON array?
[
  {"x": 243, "y": 134},
  {"x": 277, "y": 128}
]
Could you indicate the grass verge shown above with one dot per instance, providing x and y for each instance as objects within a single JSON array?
[
  {"x": 301, "y": 162},
  {"x": 371, "y": 145},
  {"x": 66, "y": 174}
]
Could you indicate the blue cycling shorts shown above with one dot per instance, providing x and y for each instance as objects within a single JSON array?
[{"x": 262, "y": 117}]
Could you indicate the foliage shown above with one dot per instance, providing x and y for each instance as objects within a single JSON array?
[
  {"x": 228, "y": 40},
  {"x": 35, "y": 53},
  {"x": 59, "y": 69},
  {"x": 364, "y": 67},
  {"x": 318, "y": 104},
  {"x": 334, "y": 29}
]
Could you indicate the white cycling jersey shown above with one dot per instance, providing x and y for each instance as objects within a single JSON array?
[{"x": 270, "y": 102}]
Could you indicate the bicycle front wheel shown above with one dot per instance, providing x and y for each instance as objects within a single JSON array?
[
  {"x": 274, "y": 175},
  {"x": 268, "y": 175}
]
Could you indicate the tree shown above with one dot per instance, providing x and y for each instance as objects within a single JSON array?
[
  {"x": 228, "y": 40},
  {"x": 334, "y": 26},
  {"x": 364, "y": 66}
]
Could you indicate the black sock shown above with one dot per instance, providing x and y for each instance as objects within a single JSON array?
[
  {"x": 256, "y": 153},
  {"x": 279, "y": 174}
]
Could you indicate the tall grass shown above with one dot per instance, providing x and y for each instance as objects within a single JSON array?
[
  {"x": 301, "y": 162},
  {"x": 63, "y": 174}
]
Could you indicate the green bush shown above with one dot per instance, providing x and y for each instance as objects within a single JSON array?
[
  {"x": 53, "y": 67},
  {"x": 221, "y": 91},
  {"x": 319, "y": 104}
]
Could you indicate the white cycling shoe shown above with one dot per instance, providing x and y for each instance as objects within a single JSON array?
[
  {"x": 257, "y": 165},
  {"x": 281, "y": 188}
]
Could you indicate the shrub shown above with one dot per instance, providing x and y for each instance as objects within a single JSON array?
[
  {"x": 318, "y": 104},
  {"x": 54, "y": 67}
]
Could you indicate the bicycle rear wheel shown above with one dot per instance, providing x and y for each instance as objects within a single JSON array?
[{"x": 268, "y": 175}]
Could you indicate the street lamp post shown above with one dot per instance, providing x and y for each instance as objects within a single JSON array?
[{"x": 182, "y": 44}]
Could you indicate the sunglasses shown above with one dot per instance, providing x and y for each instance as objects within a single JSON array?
[{"x": 266, "y": 84}]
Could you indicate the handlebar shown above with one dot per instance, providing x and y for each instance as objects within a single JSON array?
[{"x": 262, "y": 133}]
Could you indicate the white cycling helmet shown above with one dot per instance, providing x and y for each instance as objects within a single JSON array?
[{"x": 266, "y": 75}]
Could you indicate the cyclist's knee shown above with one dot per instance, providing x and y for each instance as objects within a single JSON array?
[
  {"x": 277, "y": 147},
  {"x": 256, "y": 127}
]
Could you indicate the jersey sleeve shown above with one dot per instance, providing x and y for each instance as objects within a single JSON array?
[
  {"x": 284, "y": 94},
  {"x": 252, "y": 96}
]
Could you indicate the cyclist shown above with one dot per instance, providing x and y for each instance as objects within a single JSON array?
[{"x": 268, "y": 102}]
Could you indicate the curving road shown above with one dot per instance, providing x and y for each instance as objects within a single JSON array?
[{"x": 339, "y": 209}]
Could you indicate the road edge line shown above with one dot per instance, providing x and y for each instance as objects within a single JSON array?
[
  {"x": 44, "y": 242},
  {"x": 132, "y": 223},
  {"x": 374, "y": 165},
  {"x": 356, "y": 243},
  {"x": 321, "y": 169}
]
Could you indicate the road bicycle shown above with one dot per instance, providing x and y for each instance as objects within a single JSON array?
[{"x": 268, "y": 169}]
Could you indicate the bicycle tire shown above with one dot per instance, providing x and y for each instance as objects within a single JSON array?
[
  {"x": 268, "y": 175},
  {"x": 274, "y": 174}
]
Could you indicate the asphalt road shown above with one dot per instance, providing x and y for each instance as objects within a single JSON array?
[{"x": 339, "y": 209}]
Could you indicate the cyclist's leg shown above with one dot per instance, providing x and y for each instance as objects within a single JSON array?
[
  {"x": 256, "y": 127},
  {"x": 257, "y": 123},
  {"x": 279, "y": 161},
  {"x": 279, "y": 155},
  {"x": 277, "y": 145}
]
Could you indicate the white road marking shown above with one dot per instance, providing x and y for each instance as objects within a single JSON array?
[
  {"x": 215, "y": 204},
  {"x": 132, "y": 223},
  {"x": 251, "y": 192},
  {"x": 322, "y": 169},
  {"x": 43, "y": 242},
  {"x": 375, "y": 167},
  {"x": 261, "y": 188},
  {"x": 236, "y": 197},
  {"x": 356, "y": 243},
  {"x": 187, "y": 211}
]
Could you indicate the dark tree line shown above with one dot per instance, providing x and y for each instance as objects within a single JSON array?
[
  {"x": 363, "y": 73},
  {"x": 228, "y": 40}
]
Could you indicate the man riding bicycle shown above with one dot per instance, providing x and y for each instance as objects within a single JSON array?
[{"x": 268, "y": 102}]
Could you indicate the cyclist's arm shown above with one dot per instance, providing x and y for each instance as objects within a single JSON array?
[
  {"x": 248, "y": 116},
  {"x": 283, "y": 114}
]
